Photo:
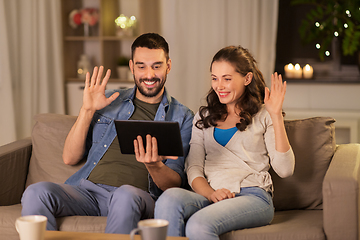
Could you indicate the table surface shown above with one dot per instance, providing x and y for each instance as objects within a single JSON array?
[{"x": 61, "y": 235}]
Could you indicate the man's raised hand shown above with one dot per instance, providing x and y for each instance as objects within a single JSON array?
[{"x": 94, "y": 92}]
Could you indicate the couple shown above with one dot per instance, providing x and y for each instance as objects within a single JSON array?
[{"x": 234, "y": 139}]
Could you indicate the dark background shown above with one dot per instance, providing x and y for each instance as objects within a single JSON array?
[{"x": 289, "y": 47}]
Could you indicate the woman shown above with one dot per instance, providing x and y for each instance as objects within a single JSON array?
[{"x": 235, "y": 138}]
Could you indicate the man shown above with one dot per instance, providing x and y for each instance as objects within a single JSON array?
[{"x": 122, "y": 187}]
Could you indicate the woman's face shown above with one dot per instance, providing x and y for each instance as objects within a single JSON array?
[{"x": 228, "y": 84}]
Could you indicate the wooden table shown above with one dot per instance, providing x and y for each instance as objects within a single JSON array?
[{"x": 60, "y": 235}]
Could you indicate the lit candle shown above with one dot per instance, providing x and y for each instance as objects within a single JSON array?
[
  {"x": 289, "y": 70},
  {"x": 308, "y": 71},
  {"x": 297, "y": 71}
]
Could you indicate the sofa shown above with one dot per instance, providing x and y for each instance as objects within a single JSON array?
[{"x": 320, "y": 201}]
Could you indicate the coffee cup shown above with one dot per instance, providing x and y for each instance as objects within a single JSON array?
[
  {"x": 31, "y": 227},
  {"x": 151, "y": 229}
]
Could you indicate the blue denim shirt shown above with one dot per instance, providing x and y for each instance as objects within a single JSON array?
[{"x": 102, "y": 133}]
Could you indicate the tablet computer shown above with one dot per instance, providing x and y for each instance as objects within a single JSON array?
[{"x": 167, "y": 135}]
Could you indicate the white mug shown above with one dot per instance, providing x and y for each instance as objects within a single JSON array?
[
  {"x": 31, "y": 227},
  {"x": 151, "y": 229}
]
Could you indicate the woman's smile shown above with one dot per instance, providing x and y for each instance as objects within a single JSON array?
[{"x": 223, "y": 94}]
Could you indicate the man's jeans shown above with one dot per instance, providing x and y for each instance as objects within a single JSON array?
[
  {"x": 193, "y": 215},
  {"x": 123, "y": 206}
]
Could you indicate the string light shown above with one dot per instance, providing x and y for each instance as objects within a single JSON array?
[
  {"x": 346, "y": 25},
  {"x": 317, "y": 46},
  {"x": 317, "y": 24},
  {"x": 327, "y": 53},
  {"x": 348, "y": 13},
  {"x": 336, "y": 34}
]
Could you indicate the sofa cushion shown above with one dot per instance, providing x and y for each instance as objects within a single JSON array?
[
  {"x": 294, "y": 225},
  {"x": 8, "y": 215},
  {"x": 82, "y": 224},
  {"x": 313, "y": 143},
  {"x": 48, "y": 137}
]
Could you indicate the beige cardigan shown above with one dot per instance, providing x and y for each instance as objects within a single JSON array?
[{"x": 245, "y": 159}]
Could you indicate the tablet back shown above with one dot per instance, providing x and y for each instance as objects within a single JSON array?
[{"x": 167, "y": 134}]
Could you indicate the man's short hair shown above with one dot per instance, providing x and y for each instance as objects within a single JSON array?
[{"x": 151, "y": 41}]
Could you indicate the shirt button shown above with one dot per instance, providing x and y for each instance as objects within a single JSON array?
[
  {"x": 94, "y": 163},
  {"x": 105, "y": 145},
  {"x": 99, "y": 120},
  {"x": 162, "y": 116},
  {"x": 129, "y": 112}
]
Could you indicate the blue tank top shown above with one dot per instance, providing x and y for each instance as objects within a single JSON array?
[{"x": 223, "y": 136}]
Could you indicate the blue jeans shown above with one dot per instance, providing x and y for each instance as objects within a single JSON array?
[
  {"x": 192, "y": 215},
  {"x": 123, "y": 206}
]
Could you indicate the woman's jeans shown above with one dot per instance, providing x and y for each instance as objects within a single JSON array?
[
  {"x": 124, "y": 206},
  {"x": 193, "y": 215}
]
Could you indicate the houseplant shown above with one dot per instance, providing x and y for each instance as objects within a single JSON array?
[
  {"x": 333, "y": 24},
  {"x": 123, "y": 68}
]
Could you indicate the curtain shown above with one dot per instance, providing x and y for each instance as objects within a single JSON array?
[
  {"x": 34, "y": 77},
  {"x": 7, "y": 121},
  {"x": 196, "y": 30}
]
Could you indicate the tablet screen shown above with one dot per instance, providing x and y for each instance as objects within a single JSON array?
[{"x": 167, "y": 135}]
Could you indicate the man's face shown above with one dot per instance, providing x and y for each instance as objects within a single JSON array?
[{"x": 150, "y": 68}]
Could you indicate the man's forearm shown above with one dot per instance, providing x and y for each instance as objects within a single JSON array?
[
  {"x": 75, "y": 142},
  {"x": 163, "y": 176}
]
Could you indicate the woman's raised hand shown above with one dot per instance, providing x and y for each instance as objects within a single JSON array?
[
  {"x": 94, "y": 92},
  {"x": 274, "y": 100}
]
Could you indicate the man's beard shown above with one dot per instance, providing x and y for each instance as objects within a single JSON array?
[{"x": 154, "y": 91}]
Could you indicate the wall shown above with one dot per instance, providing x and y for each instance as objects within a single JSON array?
[{"x": 337, "y": 100}]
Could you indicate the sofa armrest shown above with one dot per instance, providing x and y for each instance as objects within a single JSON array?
[
  {"x": 341, "y": 194},
  {"x": 14, "y": 165}
]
